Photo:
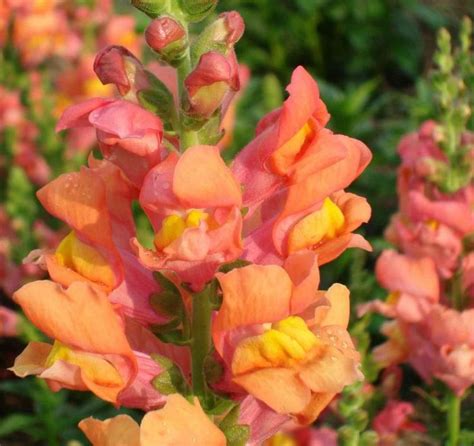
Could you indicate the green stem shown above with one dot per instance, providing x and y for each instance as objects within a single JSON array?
[
  {"x": 201, "y": 339},
  {"x": 188, "y": 138},
  {"x": 453, "y": 418},
  {"x": 457, "y": 292}
]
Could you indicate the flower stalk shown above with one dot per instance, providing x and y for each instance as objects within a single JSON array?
[
  {"x": 201, "y": 339},
  {"x": 453, "y": 418}
]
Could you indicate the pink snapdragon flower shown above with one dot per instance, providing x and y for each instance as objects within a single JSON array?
[
  {"x": 128, "y": 135},
  {"x": 394, "y": 420},
  {"x": 413, "y": 284}
]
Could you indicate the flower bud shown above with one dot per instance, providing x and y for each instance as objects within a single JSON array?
[
  {"x": 116, "y": 65},
  {"x": 152, "y": 8},
  {"x": 221, "y": 35},
  {"x": 197, "y": 10},
  {"x": 168, "y": 38},
  {"x": 212, "y": 83}
]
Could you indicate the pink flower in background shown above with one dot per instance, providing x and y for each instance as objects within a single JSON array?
[
  {"x": 11, "y": 109},
  {"x": 442, "y": 346},
  {"x": 427, "y": 239},
  {"x": 413, "y": 284},
  {"x": 40, "y": 34},
  {"x": 394, "y": 420},
  {"x": 120, "y": 30},
  {"x": 9, "y": 322}
]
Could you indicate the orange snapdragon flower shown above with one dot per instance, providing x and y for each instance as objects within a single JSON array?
[
  {"x": 274, "y": 331},
  {"x": 193, "y": 202},
  {"x": 85, "y": 354}
]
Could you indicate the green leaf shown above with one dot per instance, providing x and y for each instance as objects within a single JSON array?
[
  {"x": 228, "y": 267},
  {"x": 16, "y": 422}
]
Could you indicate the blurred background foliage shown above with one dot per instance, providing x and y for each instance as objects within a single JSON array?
[{"x": 371, "y": 59}]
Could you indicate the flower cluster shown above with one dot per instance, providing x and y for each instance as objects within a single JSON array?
[
  {"x": 212, "y": 322},
  {"x": 429, "y": 279}
]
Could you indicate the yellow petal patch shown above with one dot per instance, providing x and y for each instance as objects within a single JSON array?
[
  {"x": 286, "y": 343},
  {"x": 95, "y": 368},
  {"x": 84, "y": 260},
  {"x": 323, "y": 224},
  {"x": 432, "y": 224},
  {"x": 393, "y": 297},
  {"x": 173, "y": 227},
  {"x": 286, "y": 155},
  {"x": 281, "y": 439}
]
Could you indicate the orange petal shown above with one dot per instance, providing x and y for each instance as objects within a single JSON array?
[
  {"x": 318, "y": 403},
  {"x": 329, "y": 372},
  {"x": 303, "y": 270},
  {"x": 279, "y": 388},
  {"x": 80, "y": 200},
  {"x": 70, "y": 316},
  {"x": 32, "y": 360},
  {"x": 180, "y": 423},
  {"x": 121, "y": 430},
  {"x": 254, "y": 294},
  {"x": 202, "y": 179},
  {"x": 339, "y": 313}
]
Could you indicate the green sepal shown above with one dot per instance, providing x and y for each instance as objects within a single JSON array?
[
  {"x": 213, "y": 369},
  {"x": 168, "y": 301},
  {"x": 228, "y": 267},
  {"x": 175, "y": 337},
  {"x": 236, "y": 434},
  {"x": 158, "y": 99},
  {"x": 210, "y": 133},
  {"x": 348, "y": 436},
  {"x": 171, "y": 379},
  {"x": 167, "y": 327},
  {"x": 217, "y": 405},
  {"x": 152, "y": 8},
  {"x": 369, "y": 438},
  {"x": 197, "y": 10}
]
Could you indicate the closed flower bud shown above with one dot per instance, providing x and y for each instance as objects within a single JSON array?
[
  {"x": 212, "y": 83},
  {"x": 116, "y": 65},
  {"x": 197, "y": 10},
  {"x": 152, "y": 8},
  {"x": 221, "y": 35},
  {"x": 168, "y": 38}
]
